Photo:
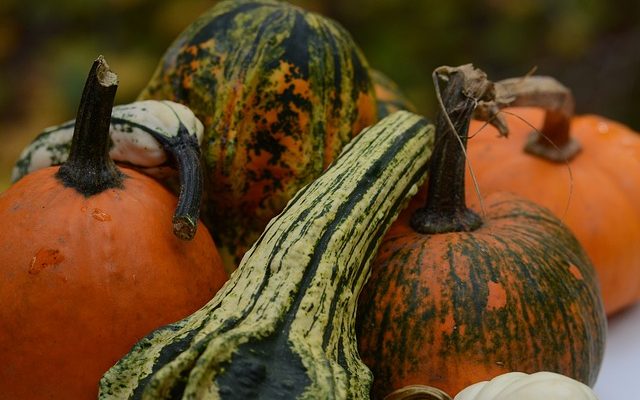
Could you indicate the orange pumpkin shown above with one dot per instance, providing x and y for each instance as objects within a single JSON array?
[
  {"x": 89, "y": 263},
  {"x": 457, "y": 296},
  {"x": 585, "y": 169}
]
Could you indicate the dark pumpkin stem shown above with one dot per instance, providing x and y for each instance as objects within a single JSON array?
[
  {"x": 89, "y": 169},
  {"x": 446, "y": 209},
  {"x": 553, "y": 142}
]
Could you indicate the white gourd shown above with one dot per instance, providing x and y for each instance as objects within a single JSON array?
[
  {"x": 137, "y": 131},
  {"x": 521, "y": 386}
]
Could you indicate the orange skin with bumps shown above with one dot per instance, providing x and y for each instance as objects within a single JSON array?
[
  {"x": 83, "y": 279},
  {"x": 597, "y": 193}
]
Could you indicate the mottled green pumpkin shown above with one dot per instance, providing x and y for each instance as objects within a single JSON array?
[
  {"x": 457, "y": 295},
  {"x": 280, "y": 91}
]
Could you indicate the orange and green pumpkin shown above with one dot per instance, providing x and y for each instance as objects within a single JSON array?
[
  {"x": 457, "y": 297},
  {"x": 280, "y": 91}
]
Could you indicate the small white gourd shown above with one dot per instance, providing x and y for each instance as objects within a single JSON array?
[
  {"x": 510, "y": 386},
  {"x": 521, "y": 386},
  {"x": 142, "y": 135}
]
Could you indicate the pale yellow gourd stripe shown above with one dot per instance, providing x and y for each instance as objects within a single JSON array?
[{"x": 297, "y": 286}]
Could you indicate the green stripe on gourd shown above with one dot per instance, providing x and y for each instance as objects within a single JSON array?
[
  {"x": 283, "y": 325},
  {"x": 280, "y": 91}
]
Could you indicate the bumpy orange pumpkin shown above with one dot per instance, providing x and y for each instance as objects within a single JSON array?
[
  {"x": 586, "y": 169},
  {"x": 89, "y": 263},
  {"x": 457, "y": 296}
]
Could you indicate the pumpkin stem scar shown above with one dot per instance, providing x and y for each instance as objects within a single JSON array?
[
  {"x": 445, "y": 209},
  {"x": 185, "y": 151},
  {"x": 89, "y": 169},
  {"x": 553, "y": 142}
]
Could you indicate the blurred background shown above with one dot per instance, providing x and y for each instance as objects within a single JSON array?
[{"x": 592, "y": 46}]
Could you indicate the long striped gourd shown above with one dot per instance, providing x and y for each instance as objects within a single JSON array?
[{"x": 283, "y": 325}]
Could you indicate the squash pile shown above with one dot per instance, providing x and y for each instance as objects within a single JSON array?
[
  {"x": 282, "y": 326},
  {"x": 317, "y": 180}
]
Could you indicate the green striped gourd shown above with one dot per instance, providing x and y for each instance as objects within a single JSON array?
[
  {"x": 280, "y": 91},
  {"x": 283, "y": 325}
]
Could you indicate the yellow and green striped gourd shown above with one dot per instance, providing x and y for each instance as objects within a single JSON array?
[{"x": 283, "y": 325}]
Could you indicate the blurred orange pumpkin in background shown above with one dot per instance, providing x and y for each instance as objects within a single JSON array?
[{"x": 586, "y": 169}]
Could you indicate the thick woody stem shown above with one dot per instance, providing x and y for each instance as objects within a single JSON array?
[
  {"x": 89, "y": 169},
  {"x": 445, "y": 209}
]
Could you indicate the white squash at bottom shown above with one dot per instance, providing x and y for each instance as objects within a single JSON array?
[{"x": 521, "y": 386}]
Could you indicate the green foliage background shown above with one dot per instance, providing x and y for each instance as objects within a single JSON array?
[{"x": 593, "y": 46}]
